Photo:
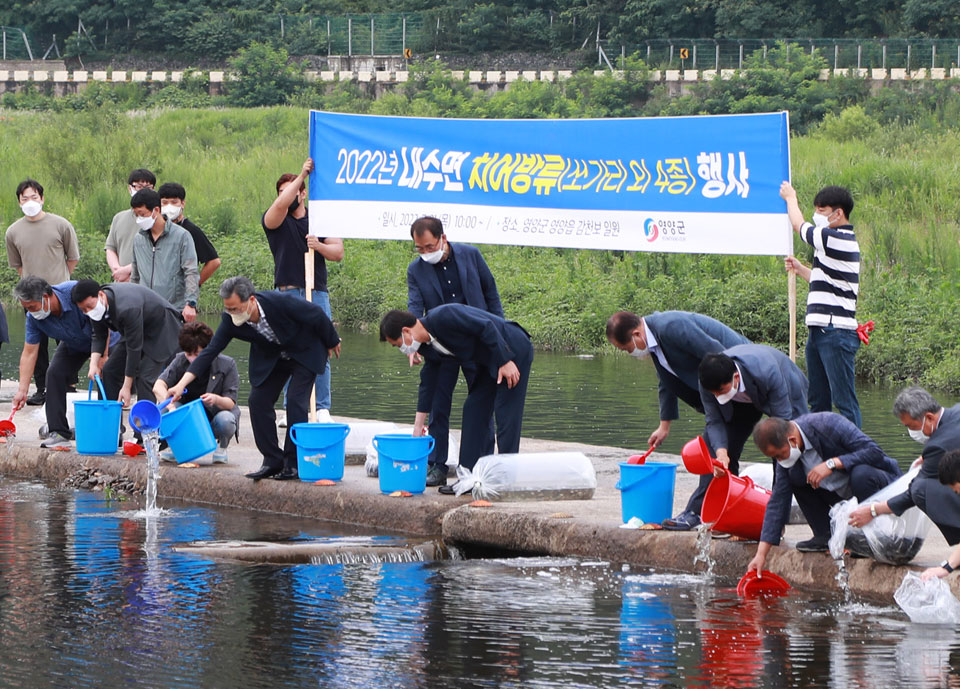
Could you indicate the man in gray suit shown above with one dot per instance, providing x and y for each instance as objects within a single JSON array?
[
  {"x": 675, "y": 341},
  {"x": 148, "y": 325},
  {"x": 737, "y": 387}
]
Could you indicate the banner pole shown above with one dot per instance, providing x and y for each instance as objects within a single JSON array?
[
  {"x": 792, "y": 306},
  {"x": 308, "y": 288}
]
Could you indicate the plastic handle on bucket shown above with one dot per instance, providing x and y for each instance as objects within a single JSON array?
[
  {"x": 651, "y": 468},
  {"x": 103, "y": 394}
]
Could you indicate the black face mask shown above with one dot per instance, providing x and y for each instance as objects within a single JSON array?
[{"x": 294, "y": 206}]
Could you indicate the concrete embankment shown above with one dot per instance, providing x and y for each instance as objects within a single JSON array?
[{"x": 585, "y": 528}]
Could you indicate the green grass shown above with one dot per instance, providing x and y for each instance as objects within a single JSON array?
[{"x": 904, "y": 180}]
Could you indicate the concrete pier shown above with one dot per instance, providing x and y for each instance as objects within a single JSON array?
[{"x": 586, "y": 528}]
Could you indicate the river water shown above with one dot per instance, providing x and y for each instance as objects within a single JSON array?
[
  {"x": 92, "y": 595},
  {"x": 603, "y": 400}
]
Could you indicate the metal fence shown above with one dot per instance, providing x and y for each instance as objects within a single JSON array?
[
  {"x": 15, "y": 45},
  {"x": 839, "y": 53},
  {"x": 371, "y": 34}
]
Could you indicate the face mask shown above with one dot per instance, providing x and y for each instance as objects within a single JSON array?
[
  {"x": 295, "y": 205},
  {"x": 434, "y": 256},
  {"x": 145, "y": 223},
  {"x": 918, "y": 434},
  {"x": 41, "y": 313},
  {"x": 133, "y": 192},
  {"x": 820, "y": 220},
  {"x": 408, "y": 349},
  {"x": 96, "y": 313},
  {"x": 727, "y": 396},
  {"x": 240, "y": 318},
  {"x": 792, "y": 459},
  {"x": 31, "y": 208},
  {"x": 171, "y": 212},
  {"x": 639, "y": 353}
]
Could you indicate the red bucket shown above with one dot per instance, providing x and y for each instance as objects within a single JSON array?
[
  {"x": 734, "y": 505},
  {"x": 696, "y": 457}
]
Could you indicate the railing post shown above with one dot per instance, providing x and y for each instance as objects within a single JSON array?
[
  {"x": 372, "y": 53},
  {"x": 908, "y": 59},
  {"x": 883, "y": 62},
  {"x": 740, "y": 62},
  {"x": 716, "y": 57},
  {"x": 349, "y": 36}
]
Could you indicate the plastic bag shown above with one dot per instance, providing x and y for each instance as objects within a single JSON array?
[
  {"x": 927, "y": 602},
  {"x": 886, "y": 538},
  {"x": 529, "y": 476},
  {"x": 372, "y": 463},
  {"x": 762, "y": 475}
]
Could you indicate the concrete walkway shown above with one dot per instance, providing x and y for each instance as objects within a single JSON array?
[{"x": 589, "y": 528}]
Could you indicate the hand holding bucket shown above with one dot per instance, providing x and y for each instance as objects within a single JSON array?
[
  {"x": 7, "y": 427},
  {"x": 696, "y": 457},
  {"x": 145, "y": 415}
]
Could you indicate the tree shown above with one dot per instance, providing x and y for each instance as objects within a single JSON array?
[{"x": 264, "y": 77}]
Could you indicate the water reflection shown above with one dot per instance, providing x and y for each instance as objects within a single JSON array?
[{"x": 92, "y": 596}]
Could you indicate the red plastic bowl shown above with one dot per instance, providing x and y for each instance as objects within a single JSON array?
[{"x": 769, "y": 584}]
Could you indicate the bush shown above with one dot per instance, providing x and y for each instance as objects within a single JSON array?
[
  {"x": 851, "y": 123},
  {"x": 263, "y": 77}
]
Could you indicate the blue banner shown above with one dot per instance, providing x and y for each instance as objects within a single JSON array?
[{"x": 683, "y": 184}]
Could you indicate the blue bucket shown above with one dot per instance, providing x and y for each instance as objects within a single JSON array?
[
  {"x": 646, "y": 491},
  {"x": 187, "y": 431},
  {"x": 98, "y": 423},
  {"x": 320, "y": 450},
  {"x": 402, "y": 461}
]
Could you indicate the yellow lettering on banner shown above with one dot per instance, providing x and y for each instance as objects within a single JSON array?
[
  {"x": 550, "y": 173},
  {"x": 600, "y": 171},
  {"x": 478, "y": 173},
  {"x": 523, "y": 176},
  {"x": 675, "y": 177},
  {"x": 615, "y": 177},
  {"x": 641, "y": 176},
  {"x": 500, "y": 172},
  {"x": 579, "y": 171}
]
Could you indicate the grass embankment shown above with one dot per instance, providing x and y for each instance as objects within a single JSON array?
[{"x": 904, "y": 180}]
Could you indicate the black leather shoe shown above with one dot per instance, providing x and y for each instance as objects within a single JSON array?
[
  {"x": 263, "y": 472},
  {"x": 37, "y": 399},
  {"x": 287, "y": 475},
  {"x": 446, "y": 490},
  {"x": 817, "y": 544},
  {"x": 436, "y": 475}
]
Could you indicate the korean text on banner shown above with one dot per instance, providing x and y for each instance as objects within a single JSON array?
[{"x": 680, "y": 184}]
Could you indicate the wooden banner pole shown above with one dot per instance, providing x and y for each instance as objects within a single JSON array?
[
  {"x": 308, "y": 285},
  {"x": 792, "y": 305}
]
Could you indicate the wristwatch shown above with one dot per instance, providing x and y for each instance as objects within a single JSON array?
[
  {"x": 831, "y": 464},
  {"x": 193, "y": 304}
]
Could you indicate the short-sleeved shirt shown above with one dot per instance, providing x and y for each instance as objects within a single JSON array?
[
  {"x": 834, "y": 276},
  {"x": 43, "y": 247},
  {"x": 288, "y": 244},
  {"x": 122, "y": 231},
  {"x": 205, "y": 249},
  {"x": 71, "y": 327}
]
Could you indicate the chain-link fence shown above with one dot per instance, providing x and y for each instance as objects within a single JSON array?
[
  {"x": 371, "y": 34},
  {"x": 14, "y": 44},
  {"x": 839, "y": 53}
]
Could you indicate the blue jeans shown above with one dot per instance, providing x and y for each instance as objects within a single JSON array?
[
  {"x": 322, "y": 384},
  {"x": 830, "y": 356},
  {"x": 224, "y": 425}
]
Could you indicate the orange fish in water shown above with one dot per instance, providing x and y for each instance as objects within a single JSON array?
[
  {"x": 401, "y": 494},
  {"x": 480, "y": 503},
  {"x": 188, "y": 465},
  {"x": 324, "y": 482}
]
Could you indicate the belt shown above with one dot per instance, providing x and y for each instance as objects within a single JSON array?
[{"x": 287, "y": 288}]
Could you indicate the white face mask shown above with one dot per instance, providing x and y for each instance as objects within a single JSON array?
[
  {"x": 240, "y": 318},
  {"x": 408, "y": 349},
  {"x": 639, "y": 353},
  {"x": 792, "y": 459},
  {"x": 97, "y": 312},
  {"x": 734, "y": 389},
  {"x": 918, "y": 434},
  {"x": 31, "y": 208},
  {"x": 145, "y": 223},
  {"x": 41, "y": 313},
  {"x": 821, "y": 220},
  {"x": 171, "y": 212},
  {"x": 434, "y": 256}
]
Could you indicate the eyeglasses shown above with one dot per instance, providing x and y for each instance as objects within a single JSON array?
[{"x": 137, "y": 186}]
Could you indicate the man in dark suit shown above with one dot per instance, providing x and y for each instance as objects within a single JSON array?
[
  {"x": 500, "y": 350},
  {"x": 447, "y": 274},
  {"x": 737, "y": 387},
  {"x": 148, "y": 325},
  {"x": 820, "y": 459},
  {"x": 938, "y": 429},
  {"x": 289, "y": 340},
  {"x": 675, "y": 341}
]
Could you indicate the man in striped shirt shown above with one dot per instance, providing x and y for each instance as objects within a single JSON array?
[{"x": 832, "y": 340}]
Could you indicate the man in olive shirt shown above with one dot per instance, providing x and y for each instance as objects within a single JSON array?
[
  {"x": 123, "y": 229},
  {"x": 43, "y": 245}
]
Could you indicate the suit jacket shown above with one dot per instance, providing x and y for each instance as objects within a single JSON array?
[
  {"x": 945, "y": 506},
  {"x": 479, "y": 287},
  {"x": 684, "y": 338},
  {"x": 148, "y": 324},
  {"x": 831, "y": 435},
  {"x": 303, "y": 329},
  {"x": 471, "y": 335},
  {"x": 774, "y": 384}
]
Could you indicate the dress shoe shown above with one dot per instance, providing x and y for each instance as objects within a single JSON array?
[
  {"x": 817, "y": 544},
  {"x": 436, "y": 476},
  {"x": 287, "y": 475},
  {"x": 263, "y": 472},
  {"x": 446, "y": 490}
]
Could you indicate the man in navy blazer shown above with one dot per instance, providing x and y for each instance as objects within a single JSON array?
[
  {"x": 675, "y": 341},
  {"x": 820, "y": 458},
  {"x": 289, "y": 340},
  {"x": 447, "y": 274},
  {"x": 500, "y": 350},
  {"x": 737, "y": 387}
]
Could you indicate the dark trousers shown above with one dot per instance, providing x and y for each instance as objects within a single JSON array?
[
  {"x": 43, "y": 363},
  {"x": 815, "y": 503},
  {"x": 263, "y": 417},
  {"x": 113, "y": 373},
  {"x": 62, "y": 373},
  {"x": 745, "y": 417},
  {"x": 485, "y": 400},
  {"x": 442, "y": 402}
]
